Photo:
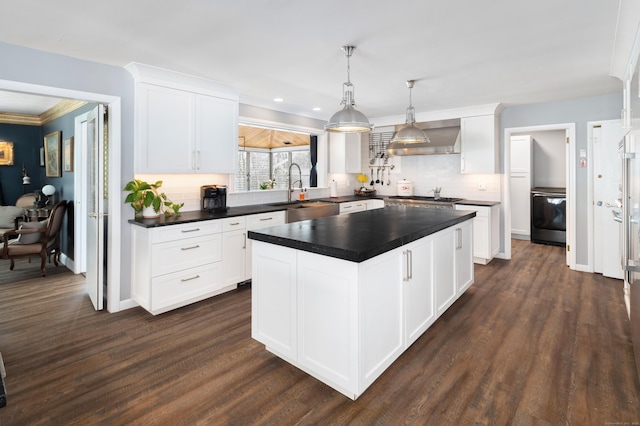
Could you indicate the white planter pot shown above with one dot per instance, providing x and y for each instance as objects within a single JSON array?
[{"x": 149, "y": 213}]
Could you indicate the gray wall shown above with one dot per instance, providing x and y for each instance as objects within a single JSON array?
[
  {"x": 47, "y": 69},
  {"x": 578, "y": 111}
]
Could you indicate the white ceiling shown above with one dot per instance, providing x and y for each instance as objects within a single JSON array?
[{"x": 461, "y": 52}]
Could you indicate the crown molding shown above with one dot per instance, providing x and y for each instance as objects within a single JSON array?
[{"x": 61, "y": 109}]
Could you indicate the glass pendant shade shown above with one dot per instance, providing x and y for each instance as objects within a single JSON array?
[{"x": 348, "y": 119}]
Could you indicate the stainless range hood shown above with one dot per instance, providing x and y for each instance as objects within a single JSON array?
[{"x": 443, "y": 134}]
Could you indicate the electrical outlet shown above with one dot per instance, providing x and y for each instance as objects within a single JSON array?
[{"x": 482, "y": 186}]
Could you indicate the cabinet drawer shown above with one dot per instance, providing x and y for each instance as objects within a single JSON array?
[
  {"x": 184, "y": 286},
  {"x": 262, "y": 220},
  {"x": 233, "y": 223},
  {"x": 352, "y": 207},
  {"x": 182, "y": 254},
  {"x": 187, "y": 230},
  {"x": 481, "y": 211}
]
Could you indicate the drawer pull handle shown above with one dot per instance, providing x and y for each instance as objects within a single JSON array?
[
  {"x": 184, "y": 280},
  {"x": 190, "y": 230},
  {"x": 234, "y": 224},
  {"x": 266, "y": 218},
  {"x": 190, "y": 248}
]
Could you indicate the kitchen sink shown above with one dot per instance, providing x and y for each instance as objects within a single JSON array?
[{"x": 303, "y": 210}]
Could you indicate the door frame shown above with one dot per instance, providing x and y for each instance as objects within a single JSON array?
[
  {"x": 114, "y": 202},
  {"x": 570, "y": 179}
]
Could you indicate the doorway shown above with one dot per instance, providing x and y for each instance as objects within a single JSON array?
[
  {"x": 569, "y": 180},
  {"x": 113, "y": 237}
]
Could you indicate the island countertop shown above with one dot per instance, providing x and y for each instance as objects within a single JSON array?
[{"x": 357, "y": 237}]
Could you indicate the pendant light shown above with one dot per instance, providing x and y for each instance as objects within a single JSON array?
[
  {"x": 410, "y": 133},
  {"x": 348, "y": 119}
]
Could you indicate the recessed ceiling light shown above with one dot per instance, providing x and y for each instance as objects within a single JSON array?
[
  {"x": 278, "y": 100},
  {"x": 317, "y": 109}
]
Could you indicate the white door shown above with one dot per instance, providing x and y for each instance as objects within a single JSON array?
[
  {"x": 95, "y": 207},
  {"x": 607, "y": 176}
]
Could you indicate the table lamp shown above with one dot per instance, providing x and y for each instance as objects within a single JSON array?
[{"x": 48, "y": 190}]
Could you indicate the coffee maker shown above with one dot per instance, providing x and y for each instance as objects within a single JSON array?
[{"x": 214, "y": 198}]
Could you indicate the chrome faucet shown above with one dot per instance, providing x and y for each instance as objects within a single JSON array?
[{"x": 299, "y": 180}]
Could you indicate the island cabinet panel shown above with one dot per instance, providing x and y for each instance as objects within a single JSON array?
[
  {"x": 274, "y": 304},
  {"x": 419, "y": 301},
  {"x": 327, "y": 318},
  {"x": 380, "y": 318},
  {"x": 464, "y": 256},
  {"x": 444, "y": 272}
]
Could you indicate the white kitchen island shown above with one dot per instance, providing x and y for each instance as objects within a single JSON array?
[{"x": 342, "y": 297}]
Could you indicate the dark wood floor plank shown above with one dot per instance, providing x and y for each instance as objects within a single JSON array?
[{"x": 531, "y": 342}]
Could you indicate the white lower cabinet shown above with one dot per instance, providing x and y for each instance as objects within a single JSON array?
[
  {"x": 176, "y": 265},
  {"x": 234, "y": 243},
  {"x": 257, "y": 221},
  {"x": 486, "y": 232},
  {"x": 236, "y": 255},
  {"x": 360, "y": 206},
  {"x": 343, "y": 322},
  {"x": 353, "y": 206}
]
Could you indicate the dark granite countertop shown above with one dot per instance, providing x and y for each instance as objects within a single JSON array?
[
  {"x": 478, "y": 203},
  {"x": 197, "y": 215},
  {"x": 360, "y": 236}
]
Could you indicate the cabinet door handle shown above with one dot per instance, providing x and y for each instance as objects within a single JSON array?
[
  {"x": 193, "y": 160},
  {"x": 266, "y": 218},
  {"x": 190, "y": 248},
  {"x": 197, "y": 160},
  {"x": 406, "y": 265},
  {"x": 244, "y": 244},
  {"x": 458, "y": 238},
  {"x": 184, "y": 231},
  {"x": 184, "y": 280}
]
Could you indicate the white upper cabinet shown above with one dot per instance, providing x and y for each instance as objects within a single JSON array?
[
  {"x": 183, "y": 124},
  {"x": 216, "y": 135},
  {"x": 345, "y": 152},
  {"x": 521, "y": 156},
  {"x": 479, "y": 144}
]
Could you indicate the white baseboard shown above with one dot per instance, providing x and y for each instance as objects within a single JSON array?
[
  {"x": 582, "y": 268},
  {"x": 125, "y": 304}
]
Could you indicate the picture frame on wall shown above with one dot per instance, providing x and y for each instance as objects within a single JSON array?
[
  {"x": 67, "y": 154},
  {"x": 6, "y": 153},
  {"x": 52, "y": 154}
]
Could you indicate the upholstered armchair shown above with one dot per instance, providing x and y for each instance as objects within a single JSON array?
[
  {"x": 10, "y": 216},
  {"x": 35, "y": 239}
]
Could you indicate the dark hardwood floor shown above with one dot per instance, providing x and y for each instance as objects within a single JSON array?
[{"x": 530, "y": 343}]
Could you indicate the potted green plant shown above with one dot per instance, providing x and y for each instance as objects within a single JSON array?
[{"x": 147, "y": 201}]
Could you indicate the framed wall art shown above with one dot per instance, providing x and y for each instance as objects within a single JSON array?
[
  {"x": 67, "y": 154},
  {"x": 6, "y": 153},
  {"x": 52, "y": 154}
]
